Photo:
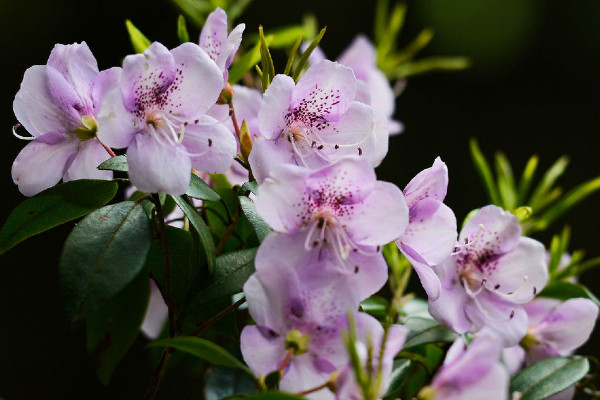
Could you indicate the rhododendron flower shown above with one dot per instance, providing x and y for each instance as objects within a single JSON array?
[
  {"x": 493, "y": 271},
  {"x": 300, "y": 314},
  {"x": 431, "y": 233},
  {"x": 57, "y": 104},
  {"x": 370, "y": 333},
  {"x": 157, "y": 111},
  {"x": 215, "y": 41},
  {"x": 313, "y": 123},
  {"x": 472, "y": 372},
  {"x": 341, "y": 209}
]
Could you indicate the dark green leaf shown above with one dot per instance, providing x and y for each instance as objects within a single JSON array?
[
  {"x": 375, "y": 305},
  {"x": 182, "y": 32},
  {"x": 425, "y": 359},
  {"x": 203, "y": 349},
  {"x": 398, "y": 377},
  {"x": 249, "y": 187},
  {"x": 548, "y": 377},
  {"x": 113, "y": 327},
  {"x": 104, "y": 252},
  {"x": 52, "y": 207},
  {"x": 200, "y": 190},
  {"x": 208, "y": 246},
  {"x": 423, "y": 330},
  {"x": 139, "y": 42},
  {"x": 269, "y": 396},
  {"x": 118, "y": 163},
  {"x": 272, "y": 379},
  {"x": 484, "y": 171},
  {"x": 261, "y": 228},
  {"x": 232, "y": 271},
  {"x": 568, "y": 290},
  {"x": 268, "y": 68},
  {"x": 290, "y": 61},
  {"x": 304, "y": 58},
  {"x": 182, "y": 273},
  {"x": 222, "y": 382}
]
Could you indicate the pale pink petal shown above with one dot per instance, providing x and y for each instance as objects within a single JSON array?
[
  {"x": 156, "y": 314},
  {"x": 268, "y": 155},
  {"x": 214, "y": 35},
  {"x": 491, "y": 230},
  {"x": 494, "y": 386},
  {"x": 360, "y": 55},
  {"x": 116, "y": 125},
  {"x": 262, "y": 352},
  {"x": 86, "y": 161},
  {"x": 232, "y": 44},
  {"x": 275, "y": 105},
  {"x": 429, "y": 183},
  {"x": 513, "y": 358},
  {"x": 302, "y": 375},
  {"x": 449, "y": 307},
  {"x": 105, "y": 81},
  {"x": 210, "y": 144},
  {"x": 382, "y": 96},
  {"x": 157, "y": 168},
  {"x": 429, "y": 280}
]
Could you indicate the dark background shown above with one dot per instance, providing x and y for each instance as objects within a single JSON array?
[{"x": 534, "y": 89}]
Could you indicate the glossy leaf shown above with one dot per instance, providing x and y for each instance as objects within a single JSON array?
[
  {"x": 548, "y": 377},
  {"x": 112, "y": 329},
  {"x": 182, "y": 32},
  {"x": 423, "y": 330},
  {"x": 139, "y": 42},
  {"x": 200, "y": 190},
  {"x": 375, "y": 305},
  {"x": 118, "y": 163},
  {"x": 54, "y": 206},
  {"x": 568, "y": 290},
  {"x": 269, "y": 396},
  {"x": 203, "y": 349},
  {"x": 206, "y": 241},
  {"x": 222, "y": 382},
  {"x": 103, "y": 253},
  {"x": 398, "y": 377},
  {"x": 261, "y": 228},
  {"x": 249, "y": 187}
]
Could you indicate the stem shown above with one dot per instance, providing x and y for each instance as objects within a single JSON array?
[
  {"x": 217, "y": 317},
  {"x": 165, "y": 247},
  {"x": 157, "y": 374},
  {"x": 236, "y": 126},
  {"x": 286, "y": 360},
  {"x": 315, "y": 389},
  {"x": 108, "y": 150},
  {"x": 221, "y": 245}
]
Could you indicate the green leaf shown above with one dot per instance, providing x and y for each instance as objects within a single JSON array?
[
  {"x": 290, "y": 61},
  {"x": 484, "y": 171},
  {"x": 527, "y": 178},
  {"x": 285, "y": 36},
  {"x": 375, "y": 305},
  {"x": 506, "y": 182},
  {"x": 428, "y": 64},
  {"x": 269, "y": 396},
  {"x": 232, "y": 271},
  {"x": 112, "y": 328},
  {"x": 398, "y": 377},
  {"x": 245, "y": 63},
  {"x": 139, "y": 42},
  {"x": 206, "y": 241},
  {"x": 220, "y": 181},
  {"x": 249, "y": 187},
  {"x": 204, "y": 349},
  {"x": 55, "y": 206},
  {"x": 548, "y": 377},
  {"x": 118, "y": 163},
  {"x": 423, "y": 330},
  {"x": 415, "y": 46},
  {"x": 103, "y": 253},
  {"x": 196, "y": 10},
  {"x": 304, "y": 58},
  {"x": 200, "y": 190},
  {"x": 182, "y": 272},
  {"x": 267, "y": 66},
  {"x": 261, "y": 228},
  {"x": 222, "y": 382},
  {"x": 182, "y": 32},
  {"x": 548, "y": 180},
  {"x": 568, "y": 290}
]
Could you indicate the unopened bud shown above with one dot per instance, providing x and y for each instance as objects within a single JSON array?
[
  {"x": 528, "y": 341},
  {"x": 88, "y": 130},
  {"x": 245, "y": 141},
  {"x": 427, "y": 393},
  {"x": 523, "y": 212},
  {"x": 332, "y": 382},
  {"x": 297, "y": 342},
  {"x": 226, "y": 95}
]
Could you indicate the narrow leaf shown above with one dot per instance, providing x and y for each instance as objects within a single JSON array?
[
  {"x": 409, "y": 52},
  {"x": 424, "y": 330},
  {"x": 118, "y": 163},
  {"x": 484, "y": 171},
  {"x": 112, "y": 329},
  {"x": 398, "y": 376},
  {"x": 506, "y": 182},
  {"x": 290, "y": 61},
  {"x": 304, "y": 58},
  {"x": 548, "y": 180},
  {"x": 203, "y": 349},
  {"x": 55, "y": 206},
  {"x": 199, "y": 225},
  {"x": 200, "y": 190},
  {"x": 261, "y": 228},
  {"x": 377, "y": 306},
  {"x": 139, "y": 42},
  {"x": 269, "y": 396},
  {"x": 266, "y": 61},
  {"x": 245, "y": 63},
  {"x": 527, "y": 178},
  {"x": 568, "y": 290},
  {"x": 429, "y": 64},
  {"x": 548, "y": 377},
  {"x": 182, "y": 32},
  {"x": 103, "y": 253}
]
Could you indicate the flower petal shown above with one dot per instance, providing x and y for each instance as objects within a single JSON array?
[
  {"x": 449, "y": 307},
  {"x": 275, "y": 105},
  {"x": 429, "y": 280},
  {"x": 303, "y": 375},
  {"x": 263, "y": 353},
  {"x": 86, "y": 161},
  {"x": 268, "y": 155},
  {"x": 157, "y": 168},
  {"x": 491, "y": 230},
  {"x": 211, "y": 145},
  {"x": 41, "y": 165},
  {"x": 105, "y": 81},
  {"x": 156, "y": 314},
  {"x": 116, "y": 125},
  {"x": 430, "y": 183},
  {"x": 360, "y": 55}
]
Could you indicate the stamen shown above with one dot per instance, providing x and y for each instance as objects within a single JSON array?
[
  {"x": 14, "y": 132},
  {"x": 467, "y": 243}
]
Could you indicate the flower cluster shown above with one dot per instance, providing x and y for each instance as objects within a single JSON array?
[{"x": 312, "y": 145}]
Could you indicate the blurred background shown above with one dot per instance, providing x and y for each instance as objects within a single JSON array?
[{"x": 533, "y": 88}]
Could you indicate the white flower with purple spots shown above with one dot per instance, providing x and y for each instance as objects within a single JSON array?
[
  {"x": 337, "y": 212},
  {"x": 57, "y": 104},
  {"x": 220, "y": 46},
  {"x": 157, "y": 111},
  {"x": 314, "y": 123},
  {"x": 431, "y": 233},
  {"x": 491, "y": 274}
]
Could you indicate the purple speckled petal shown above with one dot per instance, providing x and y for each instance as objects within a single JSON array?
[
  {"x": 231, "y": 46},
  {"x": 211, "y": 145},
  {"x": 36, "y": 107},
  {"x": 275, "y": 105},
  {"x": 41, "y": 165},
  {"x": 431, "y": 231},
  {"x": 430, "y": 183},
  {"x": 214, "y": 35},
  {"x": 361, "y": 56},
  {"x": 348, "y": 181},
  {"x": 157, "y": 168},
  {"x": 262, "y": 352},
  {"x": 86, "y": 161},
  {"x": 449, "y": 307},
  {"x": 521, "y": 274},
  {"x": 491, "y": 230},
  {"x": 380, "y": 218},
  {"x": 327, "y": 89}
]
